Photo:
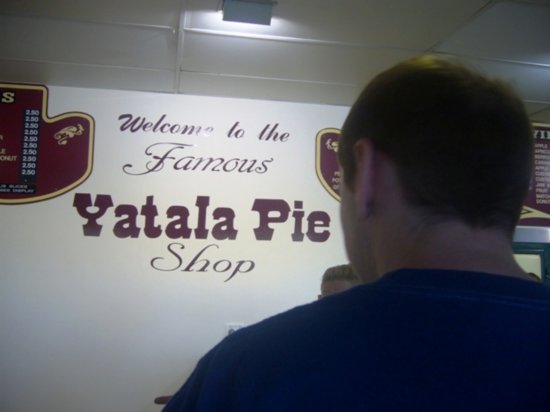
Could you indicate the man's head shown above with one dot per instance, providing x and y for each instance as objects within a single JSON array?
[
  {"x": 337, "y": 279},
  {"x": 461, "y": 145}
]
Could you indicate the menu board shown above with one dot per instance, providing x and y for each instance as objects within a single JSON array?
[
  {"x": 536, "y": 210},
  {"x": 40, "y": 157}
]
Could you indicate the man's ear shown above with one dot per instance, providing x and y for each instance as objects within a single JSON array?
[{"x": 364, "y": 186}]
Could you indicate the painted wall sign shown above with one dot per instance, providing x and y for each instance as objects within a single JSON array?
[
  {"x": 40, "y": 156},
  {"x": 199, "y": 212}
]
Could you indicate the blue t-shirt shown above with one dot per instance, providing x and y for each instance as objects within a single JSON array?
[{"x": 415, "y": 340}]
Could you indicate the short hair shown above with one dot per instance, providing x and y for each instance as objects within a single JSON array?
[
  {"x": 462, "y": 144},
  {"x": 340, "y": 272}
]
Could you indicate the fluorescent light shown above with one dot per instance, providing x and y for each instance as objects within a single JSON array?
[{"x": 248, "y": 11}]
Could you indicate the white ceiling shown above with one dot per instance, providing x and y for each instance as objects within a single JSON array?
[{"x": 318, "y": 51}]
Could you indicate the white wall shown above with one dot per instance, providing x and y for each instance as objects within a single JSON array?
[{"x": 87, "y": 323}]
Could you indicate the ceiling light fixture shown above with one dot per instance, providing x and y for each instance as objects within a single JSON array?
[{"x": 248, "y": 11}]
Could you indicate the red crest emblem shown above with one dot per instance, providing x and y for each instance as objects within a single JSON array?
[
  {"x": 326, "y": 161},
  {"x": 40, "y": 157}
]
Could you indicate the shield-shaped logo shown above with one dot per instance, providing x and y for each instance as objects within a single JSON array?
[
  {"x": 40, "y": 157},
  {"x": 326, "y": 161}
]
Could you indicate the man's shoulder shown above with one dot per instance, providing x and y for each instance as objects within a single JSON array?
[
  {"x": 312, "y": 322},
  {"x": 458, "y": 283},
  {"x": 399, "y": 288},
  {"x": 396, "y": 296}
]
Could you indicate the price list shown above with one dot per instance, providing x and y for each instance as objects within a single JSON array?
[
  {"x": 29, "y": 146},
  {"x": 40, "y": 157},
  {"x": 536, "y": 210}
]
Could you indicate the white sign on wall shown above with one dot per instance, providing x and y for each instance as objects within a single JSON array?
[{"x": 193, "y": 213}]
